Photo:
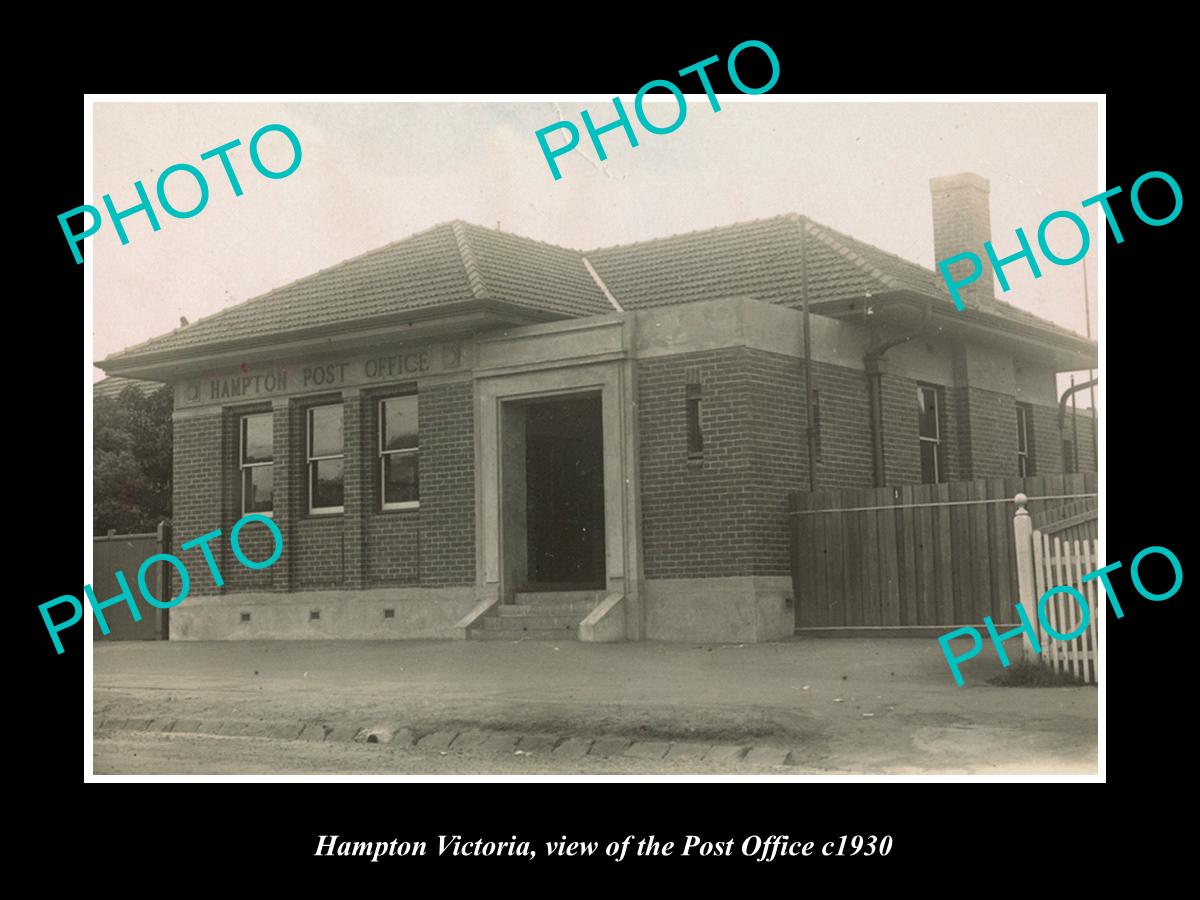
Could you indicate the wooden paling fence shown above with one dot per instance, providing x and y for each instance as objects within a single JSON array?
[
  {"x": 1053, "y": 550},
  {"x": 126, "y": 553},
  {"x": 917, "y": 555},
  {"x": 1076, "y": 519}
]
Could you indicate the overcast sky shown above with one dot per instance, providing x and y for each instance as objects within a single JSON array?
[{"x": 376, "y": 172}]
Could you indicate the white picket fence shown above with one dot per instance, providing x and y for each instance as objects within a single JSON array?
[{"x": 1058, "y": 554}]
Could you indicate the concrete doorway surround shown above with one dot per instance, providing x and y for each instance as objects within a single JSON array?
[{"x": 501, "y": 499}]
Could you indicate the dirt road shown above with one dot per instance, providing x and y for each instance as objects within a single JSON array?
[{"x": 886, "y": 706}]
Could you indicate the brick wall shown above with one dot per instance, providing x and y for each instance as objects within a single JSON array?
[
  {"x": 207, "y": 496},
  {"x": 957, "y": 429},
  {"x": 978, "y": 433},
  {"x": 993, "y": 434},
  {"x": 447, "y": 515},
  {"x": 962, "y": 222},
  {"x": 256, "y": 544},
  {"x": 901, "y": 435},
  {"x": 774, "y": 430},
  {"x": 1048, "y": 441},
  {"x": 318, "y": 552},
  {"x": 845, "y": 453},
  {"x": 393, "y": 547},
  {"x": 695, "y": 514},
  {"x": 990, "y": 446},
  {"x": 727, "y": 514},
  {"x": 363, "y": 546},
  {"x": 196, "y": 504},
  {"x": 288, "y": 490},
  {"x": 720, "y": 516},
  {"x": 850, "y": 464},
  {"x": 361, "y": 445},
  {"x": 1087, "y": 447}
]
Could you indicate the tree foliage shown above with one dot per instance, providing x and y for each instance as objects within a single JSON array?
[{"x": 131, "y": 472}]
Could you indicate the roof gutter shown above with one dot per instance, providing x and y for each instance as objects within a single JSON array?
[
  {"x": 299, "y": 340},
  {"x": 979, "y": 324}
]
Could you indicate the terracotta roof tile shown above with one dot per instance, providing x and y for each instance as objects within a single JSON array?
[
  {"x": 451, "y": 262},
  {"x": 112, "y": 387},
  {"x": 457, "y": 261},
  {"x": 532, "y": 273},
  {"x": 761, "y": 259}
]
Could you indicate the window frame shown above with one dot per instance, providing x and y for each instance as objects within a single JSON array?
[
  {"x": 938, "y": 460},
  {"x": 310, "y": 459},
  {"x": 1025, "y": 458},
  {"x": 243, "y": 465},
  {"x": 400, "y": 451}
]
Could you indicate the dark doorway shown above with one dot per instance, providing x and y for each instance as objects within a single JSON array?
[{"x": 564, "y": 493}]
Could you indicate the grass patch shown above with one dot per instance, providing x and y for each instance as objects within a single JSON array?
[{"x": 1031, "y": 674}]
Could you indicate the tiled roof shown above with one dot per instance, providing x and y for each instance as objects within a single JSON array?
[
  {"x": 756, "y": 259},
  {"x": 897, "y": 273},
  {"x": 528, "y": 272},
  {"x": 113, "y": 386},
  {"x": 761, "y": 259},
  {"x": 457, "y": 261},
  {"x": 451, "y": 262}
]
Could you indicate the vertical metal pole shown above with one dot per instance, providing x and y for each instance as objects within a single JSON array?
[
  {"x": 808, "y": 376},
  {"x": 875, "y": 410},
  {"x": 1087, "y": 320},
  {"x": 1074, "y": 429}
]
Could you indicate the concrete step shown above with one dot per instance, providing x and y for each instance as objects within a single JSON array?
[
  {"x": 537, "y": 616},
  {"x": 516, "y": 634},
  {"x": 543, "y": 597},
  {"x": 528, "y": 623},
  {"x": 522, "y": 610}
]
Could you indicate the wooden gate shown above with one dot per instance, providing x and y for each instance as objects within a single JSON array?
[
  {"x": 927, "y": 555},
  {"x": 126, "y": 553},
  {"x": 1057, "y": 549}
]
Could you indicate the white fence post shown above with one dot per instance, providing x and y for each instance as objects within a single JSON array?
[{"x": 1023, "y": 532}]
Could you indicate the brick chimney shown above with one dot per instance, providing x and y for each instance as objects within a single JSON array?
[{"x": 962, "y": 221}]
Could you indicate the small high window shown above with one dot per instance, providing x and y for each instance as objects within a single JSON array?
[
  {"x": 1024, "y": 444},
  {"x": 695, "y": 437}
]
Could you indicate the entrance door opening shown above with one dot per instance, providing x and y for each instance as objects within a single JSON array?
[
  {"x": 564, "y": 485},
  {"x": 554, "y": 494}
]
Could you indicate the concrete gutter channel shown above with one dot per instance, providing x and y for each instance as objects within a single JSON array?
[{"x": 471, "y": 740}]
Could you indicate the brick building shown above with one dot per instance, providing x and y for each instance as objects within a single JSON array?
[{"x": 467, "y": 432}]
